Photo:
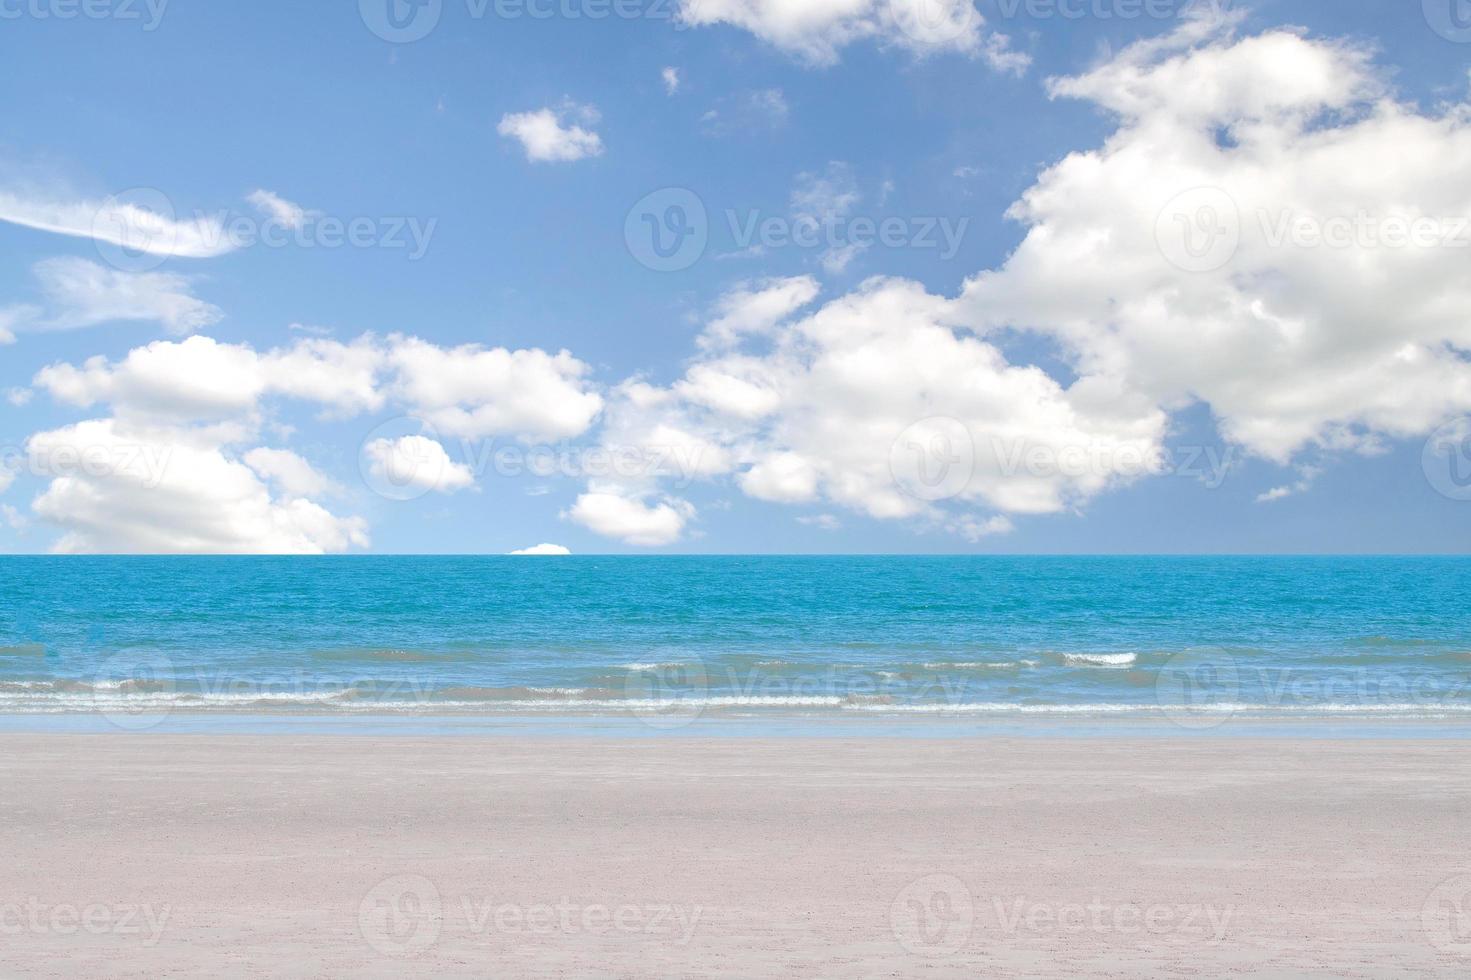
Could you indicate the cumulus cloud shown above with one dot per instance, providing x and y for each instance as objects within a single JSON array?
[
  {"x": 197, "y": 379},
  {"x": 554, "y": 134},
  {"x": 468, "y": 390},
  {"x": 670, "y": 77},
  {"x": 816, "y": 31},
  {"x": 630, "y": 518},
  {"x": 143, "y": 221},
  {"x": 756, "y": 307},
  {"x": 289, "y": 471},
  {"x": 474, "y": 392},
  {"x": 178, "y": 465},
  {"x": 1267, "y": 230},
  {"x": 858, "y": 402},
  {"x": 120, "y": 487},
  {"x": 543, "y": 549},
  {"x": 416, "y": 461}
]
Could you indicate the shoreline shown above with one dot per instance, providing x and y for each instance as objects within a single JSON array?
[
  {"x": 765, "y": 724},
  {"x": 419, "y": 856}
]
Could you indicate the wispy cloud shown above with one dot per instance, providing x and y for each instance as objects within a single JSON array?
[{"x": 141, "y": 221}]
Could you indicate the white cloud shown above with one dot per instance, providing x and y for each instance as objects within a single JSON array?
[
  {"x": 178, "y": 467},
  {"x": 816, "y": 408},
  {"x": 615, "y": 514},
  {"x": 554, "y": 135},
  {"x": 141, "y": 222},
  {"x": 294, "y": 475},
  {"x": 7, "y": 477},
  {"x": 836, "y": 260},
  {"x": 785, "y": 477},
  {"x": 670, "y": 77},
  {"x": 468, "y": 391},
  {"x": 1306, "y": 475},
  {"x": 285, "y": 213},
  {"x": 817, "y": 30},
  {"x": 740, "y": 114},
  {"x": 416, "y": 461},
  {"x": 473, "y": 391},
  {"x": 197, "y": 379},
  {"x": 12, "y": 318},
  {"x": 14, "y": 518},
  {"x": 1178, "y": 261},
  {"x": 824, "y": 522},
  {"x": 756, "y": 307},
  {"x": 973, "y": 530},
  {"x": 119, "y": 487},
  {"x": 18, "y": 397},
  {"x": 825, "y": 196},
  {"x": 85, "y": 294},
  {"x": 543, "y": 549},
  {"x": 342, "y": 377},
  {"x": 823, "y": 199}
]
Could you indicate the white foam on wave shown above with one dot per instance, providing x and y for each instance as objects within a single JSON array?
[
  {"x": 980, "y": 664},
  {"x": 1101, "y": 659},
  {"x": 1407, "y": 710}
]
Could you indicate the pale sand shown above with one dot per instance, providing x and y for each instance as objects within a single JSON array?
[{"x": 797, "y": 857}]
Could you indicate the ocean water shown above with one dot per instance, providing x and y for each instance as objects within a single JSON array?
[{"x": 668, "y": 639}]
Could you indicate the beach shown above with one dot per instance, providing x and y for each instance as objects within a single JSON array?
[{"x": 248, "y": 855}]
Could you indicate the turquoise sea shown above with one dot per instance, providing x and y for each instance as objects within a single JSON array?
[{"x": 668, "y": 639}]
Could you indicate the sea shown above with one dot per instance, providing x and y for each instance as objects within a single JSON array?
[{"x": 668, "y": 643}]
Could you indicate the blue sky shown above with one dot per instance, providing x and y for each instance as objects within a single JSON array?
[{"x": 222, "y": 111}]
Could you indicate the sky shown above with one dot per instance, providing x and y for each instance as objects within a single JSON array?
[{"x": 719, "y": 276}]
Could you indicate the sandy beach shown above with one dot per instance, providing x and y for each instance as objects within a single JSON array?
[{"x": 167, "y": 855}]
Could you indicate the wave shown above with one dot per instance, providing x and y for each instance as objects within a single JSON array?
[
  {"x": 386, "y": 655},
  {"x": 161, "y": 696},
  {"x": 981, "y": 664},
  {"x": 1101, "y": 659}
]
